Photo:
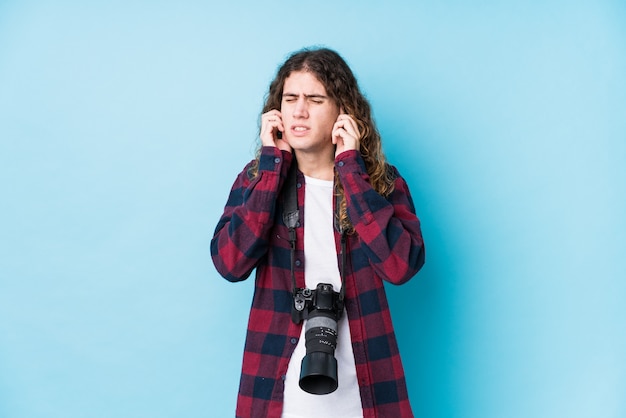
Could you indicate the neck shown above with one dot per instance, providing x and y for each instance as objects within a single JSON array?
[{"x": 315, "y": 166}]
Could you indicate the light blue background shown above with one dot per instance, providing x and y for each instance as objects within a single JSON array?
[{"x": 123, "y": 125}]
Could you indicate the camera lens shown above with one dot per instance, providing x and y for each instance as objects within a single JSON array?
[{"x": 318, "y": 374}]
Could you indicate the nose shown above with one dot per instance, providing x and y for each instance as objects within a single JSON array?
[{"x": 301, "y": 109}]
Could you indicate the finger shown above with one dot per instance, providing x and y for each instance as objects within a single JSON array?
[
  {"x": 342, "y": 128},
  {"x": 271, "y": 123},
  {"x": 344, "y": 139},
  {"x": 349, "y": 124},
  {"x": 343, "y": 120},
  {"x": 352, "y": 122},
  {"x": 339, "y": 134},
  {"x": 271, "y": 112},
  {"x": 277, "y": 129},
  {"x": 271, "y": 117}
]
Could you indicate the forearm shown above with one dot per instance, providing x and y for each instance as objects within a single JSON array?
[
  {"x": 241, "y": 236},
  {"x": 387, "y": 227}
]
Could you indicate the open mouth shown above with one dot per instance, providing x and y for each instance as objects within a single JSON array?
[{"x": 299, "y": 129}]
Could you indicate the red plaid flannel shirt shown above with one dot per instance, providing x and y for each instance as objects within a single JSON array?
[{"x": 386, "y": 246}]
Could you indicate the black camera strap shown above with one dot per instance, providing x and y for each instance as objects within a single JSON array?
[{"x": 291, "y": 216}]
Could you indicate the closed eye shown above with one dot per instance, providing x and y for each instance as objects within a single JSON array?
[
  {"x": 316, "y": 98},
  {"x": 313, "y": 98}
]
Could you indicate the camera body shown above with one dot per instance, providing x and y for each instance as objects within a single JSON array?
[
  {"x": 321, "y": 301},
  {"x": 322, "y": 308}
]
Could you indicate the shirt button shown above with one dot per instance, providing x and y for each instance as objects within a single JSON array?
[
  {"x": 283, "y": 377},
  {"x": 298, "y": 224},
  {"x": 276, "y": 160},
  {"x": 298, "y": 185},
  {"x": 340, "y": 164},
  {"x": 294, "y": 340},
  {"x": 298, "y": 262}
]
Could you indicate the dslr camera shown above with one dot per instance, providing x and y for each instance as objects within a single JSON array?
[{"x": 322, "y": 308}]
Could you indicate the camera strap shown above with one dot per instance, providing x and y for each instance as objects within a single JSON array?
[{"x": 291, "y": 216}]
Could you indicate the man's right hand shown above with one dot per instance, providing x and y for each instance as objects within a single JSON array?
[{"x": 271, "y": 124}]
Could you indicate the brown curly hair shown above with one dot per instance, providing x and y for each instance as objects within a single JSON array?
[{"x": 342, "y": 87}]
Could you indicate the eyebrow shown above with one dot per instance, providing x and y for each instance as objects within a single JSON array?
[{"x": 308, "y": 96}]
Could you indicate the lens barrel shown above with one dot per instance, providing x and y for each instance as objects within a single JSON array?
[{"x": 318, "y": 373}]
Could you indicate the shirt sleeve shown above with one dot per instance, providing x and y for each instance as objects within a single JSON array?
[
  {"x": 242, "y": 233},
  {"x": 387, "y": 227}
]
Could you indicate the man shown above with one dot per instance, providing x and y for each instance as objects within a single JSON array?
[{"x": 356, "y": 228}]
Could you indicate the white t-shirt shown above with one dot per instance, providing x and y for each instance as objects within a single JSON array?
[{"x": 321, "y": 267}]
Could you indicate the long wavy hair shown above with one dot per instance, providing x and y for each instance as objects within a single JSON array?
[{"x": 342, "y": 87}]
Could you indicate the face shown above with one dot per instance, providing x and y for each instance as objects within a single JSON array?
[{"x": 308, "y": 114}]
